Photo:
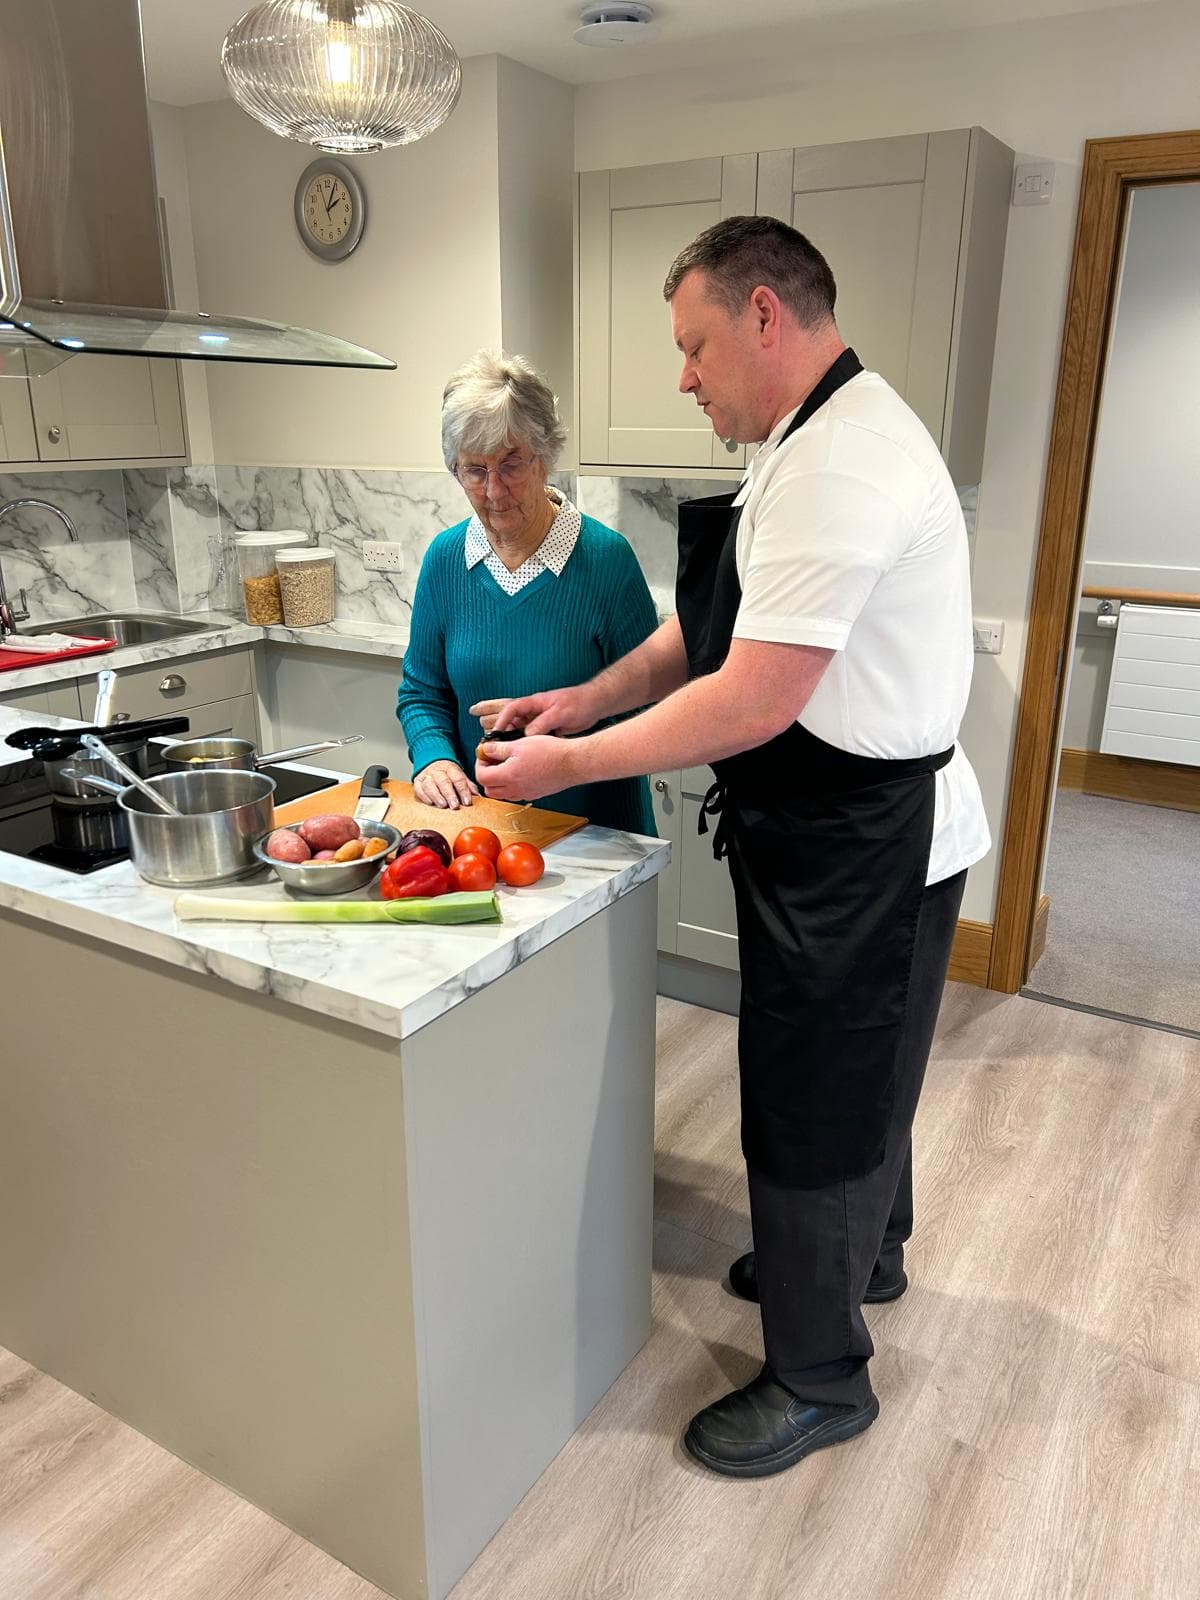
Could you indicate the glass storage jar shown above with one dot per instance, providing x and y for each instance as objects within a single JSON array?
[
  {"x": 256, "y": 568},
  {"x": 306, "y": 586}
]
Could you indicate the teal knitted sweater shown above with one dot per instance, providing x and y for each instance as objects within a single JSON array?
[{"x": 470, "y": 641}]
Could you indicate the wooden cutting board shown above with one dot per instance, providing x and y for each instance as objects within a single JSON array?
[{"x": 528, "y": 824}]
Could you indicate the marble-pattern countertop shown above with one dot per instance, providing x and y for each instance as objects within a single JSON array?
[
  {"x": 225, "y": 631},
  {"x": 390, "y": 979}
]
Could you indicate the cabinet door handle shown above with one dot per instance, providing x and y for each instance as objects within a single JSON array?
[
  {"x": 732, "y": 446},
  {"x": 54, "y": 434},
  {"x": 119, "y": 716},
  {"x": 173, "y": 683},
  {"x": 662, "y": 785}
]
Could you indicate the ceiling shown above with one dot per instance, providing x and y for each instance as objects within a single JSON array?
[{"x": 183, "y": 37}]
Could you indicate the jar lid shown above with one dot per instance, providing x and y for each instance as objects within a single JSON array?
[
  {"x": 251, "y": 540},
  {"x": 304, "y": 555}
]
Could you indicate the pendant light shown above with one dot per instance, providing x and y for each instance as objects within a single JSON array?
[{"x": 349, "y": 76}]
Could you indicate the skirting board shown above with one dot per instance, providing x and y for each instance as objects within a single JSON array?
[
  {"x": 1151, "y": 783},
  {"x": 717, "y": 989}
]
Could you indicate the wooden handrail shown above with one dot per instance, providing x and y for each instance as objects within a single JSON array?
[{"x": 1143, "y": 597}]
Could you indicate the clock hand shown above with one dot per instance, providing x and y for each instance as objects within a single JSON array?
[{"x": 329, "y": 203}]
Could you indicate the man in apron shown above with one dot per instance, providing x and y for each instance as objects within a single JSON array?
[{"x": 820, "y": 659}]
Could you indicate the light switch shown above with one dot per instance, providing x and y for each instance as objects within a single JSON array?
[
  {"x": 1033, "y": 183},
  {"x": 989, "y": 638}
]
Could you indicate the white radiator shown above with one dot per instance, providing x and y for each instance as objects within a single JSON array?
[{"x": 1153, "y": 708}]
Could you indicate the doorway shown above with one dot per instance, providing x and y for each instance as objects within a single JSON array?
[{"x": 1065, "y": 607}]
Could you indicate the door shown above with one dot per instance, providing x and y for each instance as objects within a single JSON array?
[
  {"x": 887, "y": 214},
  {"x": 108, "y": 408},
  {"x": 633, "y": 222}
]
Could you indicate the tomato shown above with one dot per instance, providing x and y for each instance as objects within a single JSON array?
[
  {"x": 520, "y": 865},
  {"x": 472, "y": 872},
  {"x": 477, "y": 842}
]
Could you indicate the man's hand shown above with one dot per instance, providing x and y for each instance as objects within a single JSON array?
[
  {"x": 554, "y": 711},
  {"x": 445, "y": 784},
  {"x": 526, "y": 769}
]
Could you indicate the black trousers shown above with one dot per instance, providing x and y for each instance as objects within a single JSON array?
[{"x": 815, "y": 1249}]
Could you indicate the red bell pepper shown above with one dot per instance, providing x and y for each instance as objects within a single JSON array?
[{"x": 418, "y": 873}]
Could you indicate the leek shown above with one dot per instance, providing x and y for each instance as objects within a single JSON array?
[{"x": 445, "y": 911}]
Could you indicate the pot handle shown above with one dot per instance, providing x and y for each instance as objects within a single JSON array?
[
  {"x": 298, "y": 752},
  {"x": 108, "y": 785}
]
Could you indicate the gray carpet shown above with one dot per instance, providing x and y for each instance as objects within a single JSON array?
[{"x": 1124, "y": 932}]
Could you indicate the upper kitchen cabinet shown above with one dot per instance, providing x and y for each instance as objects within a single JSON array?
[
  {"x": 107, "y": 408},
  {"x": 632, "y": 224},
  {"x": 914, "y": 229}
]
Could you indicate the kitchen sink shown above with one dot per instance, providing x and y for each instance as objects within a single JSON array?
[{"x": 126, "y": 627}]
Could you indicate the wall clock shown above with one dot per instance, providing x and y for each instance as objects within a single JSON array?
[{"x": 331, "y": 209}]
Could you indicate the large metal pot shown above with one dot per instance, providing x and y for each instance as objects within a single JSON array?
[
  {"x": 212, "y": 753},
  {"x": 213, "y": 842}
]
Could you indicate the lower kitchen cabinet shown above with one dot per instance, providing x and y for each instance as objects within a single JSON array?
[
  {"x": 696, "y": 915},
  {"x": 55, "y": 700},
  {"x": 307, "y": 694}
]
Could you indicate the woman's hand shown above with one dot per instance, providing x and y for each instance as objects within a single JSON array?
[
  {"x": 487, "y": 711},
  {"x": 445, "y": 784}
]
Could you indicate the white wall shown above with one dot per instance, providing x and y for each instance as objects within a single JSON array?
[
  {"x": 1143, "y": 508},
  {"x": 1041, "y": 87},
  {"x": 423, "y": 286},
  {"x": 537, "y": 186},
  {"x": 1143, "y": 526}
]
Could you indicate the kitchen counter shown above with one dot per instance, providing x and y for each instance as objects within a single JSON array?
[
  {"x": 358, "y": 638},
  {"x": 391, "y": 985},
  {"x": 355, "y": 1219}
]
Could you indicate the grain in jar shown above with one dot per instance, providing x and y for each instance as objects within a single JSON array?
[
  {"x": 306, "y": 586},
  {"x": 256, "y": 566}
]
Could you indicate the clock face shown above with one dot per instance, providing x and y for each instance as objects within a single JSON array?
[
  {"x": 331, "y": 209},
  {"x": 328, "y": 209}
]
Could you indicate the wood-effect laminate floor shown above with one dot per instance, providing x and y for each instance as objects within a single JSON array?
[{"x": 1040, "y": 1431}]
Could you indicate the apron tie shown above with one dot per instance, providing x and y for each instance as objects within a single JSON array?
[{"x": 713, "y": 805}]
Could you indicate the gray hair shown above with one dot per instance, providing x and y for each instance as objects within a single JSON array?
[
  {"x": 494, "y": 399},
  {"x": 738, "y": 254}
]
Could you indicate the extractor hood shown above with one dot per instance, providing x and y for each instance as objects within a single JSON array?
[{"x": 82, "y": 261}]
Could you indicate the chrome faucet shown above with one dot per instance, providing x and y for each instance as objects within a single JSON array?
[{"x": 8, "y": 617}]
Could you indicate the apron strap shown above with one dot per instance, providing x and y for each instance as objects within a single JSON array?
[{"x": 713, "y": 805}]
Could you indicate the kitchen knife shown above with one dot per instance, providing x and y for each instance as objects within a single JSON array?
[{"x": 373, "y": 801}]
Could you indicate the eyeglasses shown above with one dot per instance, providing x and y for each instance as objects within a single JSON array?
[{"x": 511, "y": 472}]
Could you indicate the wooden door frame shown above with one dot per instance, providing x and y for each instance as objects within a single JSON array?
[{"x": 1111, "y": 169}]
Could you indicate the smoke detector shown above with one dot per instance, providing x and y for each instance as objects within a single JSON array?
[{"x": 620, "y": 22}]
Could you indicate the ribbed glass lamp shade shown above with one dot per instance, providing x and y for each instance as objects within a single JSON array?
[{"x": 344, "y": 75}]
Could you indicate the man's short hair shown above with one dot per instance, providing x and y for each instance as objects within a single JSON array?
[{"x": 738, "y": 254}]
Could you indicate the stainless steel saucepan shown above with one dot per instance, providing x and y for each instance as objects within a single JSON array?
[
  {"x": 223, "y": 812},
  {"x": 212, "y": 754}
]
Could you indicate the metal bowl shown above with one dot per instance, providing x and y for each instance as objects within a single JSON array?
[{"x": 331, "y": 877}]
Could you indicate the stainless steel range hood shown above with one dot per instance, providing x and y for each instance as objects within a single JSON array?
[{"x": 82, "y": 264}]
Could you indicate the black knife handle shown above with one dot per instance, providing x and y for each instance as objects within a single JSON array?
[{"x": 373, "y": 781}]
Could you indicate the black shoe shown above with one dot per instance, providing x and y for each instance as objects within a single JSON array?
[
  {"x": 743, "y": 1280},
  {"x": 764, "y": 1428}
]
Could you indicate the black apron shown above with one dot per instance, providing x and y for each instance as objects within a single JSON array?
[{"x": 828, "y": 852}]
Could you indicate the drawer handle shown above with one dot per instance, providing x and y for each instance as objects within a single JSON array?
[
  {"x": 732, "y": 446},
  {"x": 120, "y": 716},
  {"x": 661, "y": 785},
  {"x": 172, "y": 683}
]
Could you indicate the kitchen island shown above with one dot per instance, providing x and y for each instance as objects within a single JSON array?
[{"x": 355, "y": 1219}]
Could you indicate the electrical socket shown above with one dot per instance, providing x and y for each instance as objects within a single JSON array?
[{"x": 383, "y": 555}]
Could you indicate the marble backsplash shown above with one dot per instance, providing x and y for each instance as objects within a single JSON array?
[{"x": 162, "y": 539}]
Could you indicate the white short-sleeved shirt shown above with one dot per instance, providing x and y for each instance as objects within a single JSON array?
[{"x": 852, "y": 539}]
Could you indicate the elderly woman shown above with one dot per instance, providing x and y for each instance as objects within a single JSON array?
[{"x": 523, "y": 592}]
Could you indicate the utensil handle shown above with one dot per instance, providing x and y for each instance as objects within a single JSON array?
[
  {"x": 105, "y": 683},
  {"x": 373, "y": 781},
  {"x": 97, "y": 747}
]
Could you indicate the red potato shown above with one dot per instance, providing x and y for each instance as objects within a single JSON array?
[
  {"x": 325, "y": 855},
  {"x": 328, "y": 832},
  {"x": 286, "y": 845}
]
